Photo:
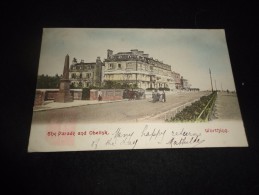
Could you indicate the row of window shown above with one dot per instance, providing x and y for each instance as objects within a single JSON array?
[
  {"x": 113, "y": 66},
  {"x": 75, "y": 76},
  {"x": 128, "y": 57},
  {"x": 130, "y": 66},
  {"x": 133, "y": 76},
  {"x": 86, "y": 67}
]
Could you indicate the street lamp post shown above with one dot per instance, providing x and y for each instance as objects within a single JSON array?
[{"x": 211, "y": 82}]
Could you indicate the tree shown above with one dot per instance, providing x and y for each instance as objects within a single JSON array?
[
  {"x": 109, "y": 84},
  {"x": 48, "y": 82}
]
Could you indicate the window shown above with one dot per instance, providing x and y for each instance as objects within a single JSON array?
[
  {"x": 119, "y": 66},
  {"x": 80, "y": 84},
  {"x": 111, "y": 66},
  {"x": 130, "y": 66},
  {"x": 73, "y": 76}
]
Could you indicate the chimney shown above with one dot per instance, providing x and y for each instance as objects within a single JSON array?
[
  {"x": 134, "y": 51},
  {"x": 141, "y": 53},
  {"x": 98, "y": 60},
  {"x": 74, "y": 61},
  {"x": 109, "y": 53}
]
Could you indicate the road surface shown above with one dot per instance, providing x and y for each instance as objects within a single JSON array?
[{"x": 125, "y": 111}]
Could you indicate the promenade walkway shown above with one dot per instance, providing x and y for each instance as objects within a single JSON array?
[
  {"x": 51, "y": 105},
  {"x": 227, "y": 107}
]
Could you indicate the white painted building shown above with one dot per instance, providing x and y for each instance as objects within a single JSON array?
[{"x": 137, "y": 68}]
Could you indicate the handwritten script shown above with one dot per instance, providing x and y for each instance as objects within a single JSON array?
[
  {"x": 153, "y": 137},
  {"x": 148, "y": 137}
]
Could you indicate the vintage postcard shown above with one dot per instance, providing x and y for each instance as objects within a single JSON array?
[{"x": 117, "y": 89}]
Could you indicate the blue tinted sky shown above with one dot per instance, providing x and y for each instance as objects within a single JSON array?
[{"x": 189, "y": 52}]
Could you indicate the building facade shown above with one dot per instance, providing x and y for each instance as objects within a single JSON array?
[
  {"x": 177, "y": 80},
  {"x": 137, "y": 68},
  {"x": 185, "y": 84},
  {"x": 83, "y": 74}
]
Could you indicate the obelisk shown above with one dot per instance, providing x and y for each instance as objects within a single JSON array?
[{"x": 64, "y": 86}]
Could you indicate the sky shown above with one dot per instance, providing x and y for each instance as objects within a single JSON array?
[{"x": 190, "y": 52}]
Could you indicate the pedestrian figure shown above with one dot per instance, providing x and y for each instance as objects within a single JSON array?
[
  {"x": 131, "y": 95},
  {"x": 99, "y": 95},
  {"x": 153, "y": 94},
  {"x": 159, "y": 96},
  {"x": 163, "y": 96}
]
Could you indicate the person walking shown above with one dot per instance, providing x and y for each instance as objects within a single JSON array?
[
  {"x": 99, "y": 95},
  {"x": 163, "y": 96},
  {"x": 153, "y": 95},
  {"x": 159, "y": 96}
]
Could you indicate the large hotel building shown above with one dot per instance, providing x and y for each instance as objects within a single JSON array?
[
  {"x": 136, "y": 67},
  {"x": 132, "y": 68}
]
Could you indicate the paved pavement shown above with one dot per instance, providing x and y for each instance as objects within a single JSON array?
[
  {"x": 51, "y": 105},
  {"x": 227, "y": 107}
]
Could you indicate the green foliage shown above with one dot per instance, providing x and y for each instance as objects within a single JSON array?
[
  {"x": 125, "y": 86},
  {"x": 192, "y": 112},
  {"x": 150, "y": 89},
  {"x": 119, "y": 85},
  {"x": 86, "y": 93},
  {"x": 134, "y": 86},
  {"x": 94, "y": 87},
  {"x": 164, "y": 89},
  {"x": 72, "y": 86},
  {"x": 109, "y": 84},
  {"x": 48, "y": 82},
  {"x": 160, "y": 89}
]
